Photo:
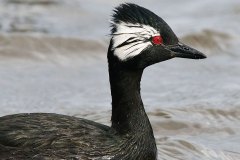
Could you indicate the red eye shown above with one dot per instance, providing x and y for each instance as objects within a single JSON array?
[{"x": 157, "y": 40}]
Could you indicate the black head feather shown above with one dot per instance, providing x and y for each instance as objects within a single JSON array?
[{"x": 132, "y": 13}]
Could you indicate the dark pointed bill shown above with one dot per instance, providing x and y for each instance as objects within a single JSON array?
[{"x": 183, "y": 51}]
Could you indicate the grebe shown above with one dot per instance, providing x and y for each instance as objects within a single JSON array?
[{"x": 139, "y": 38}]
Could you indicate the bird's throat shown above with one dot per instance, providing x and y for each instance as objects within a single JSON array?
[{"x": 128, "y": 114}]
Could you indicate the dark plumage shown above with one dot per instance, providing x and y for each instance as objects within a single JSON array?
[{"x": 48, "y": 136}]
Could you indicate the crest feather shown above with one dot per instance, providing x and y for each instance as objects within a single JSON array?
[{"x": 132, "y": 29}]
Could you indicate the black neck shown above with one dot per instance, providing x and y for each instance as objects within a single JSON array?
[{"x": 128, "y": 114}]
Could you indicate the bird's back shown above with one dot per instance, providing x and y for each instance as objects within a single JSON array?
[{"x": 49, "y": 136}]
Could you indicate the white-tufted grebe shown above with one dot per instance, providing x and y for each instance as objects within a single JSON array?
[{"x": 139, "y": 38}]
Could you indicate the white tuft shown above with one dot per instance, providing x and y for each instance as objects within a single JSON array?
[{"x": 136, "y": 37}]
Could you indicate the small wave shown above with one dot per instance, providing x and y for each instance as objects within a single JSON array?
[
  {"x": 189, "y": 121},
  {"x": 208, "y": 41},
  {"x": 44, "y": 47},
  {"x": 182, "y": 149}
]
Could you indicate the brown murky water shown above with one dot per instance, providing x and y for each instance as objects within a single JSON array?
[{"x": 53, "y": 59}]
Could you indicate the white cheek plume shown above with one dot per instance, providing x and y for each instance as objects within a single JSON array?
[{"x": 130, "y": 40}]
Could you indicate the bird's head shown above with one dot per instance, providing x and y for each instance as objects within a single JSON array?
[{"x": 141, "y": 38}]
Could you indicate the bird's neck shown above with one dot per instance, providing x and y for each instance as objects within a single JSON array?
[{"x": 128, "y": 114}]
